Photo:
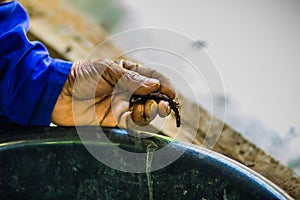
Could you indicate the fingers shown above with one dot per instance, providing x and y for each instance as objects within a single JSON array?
[
  {"x": 165, "y": 85},
  {"x": 114, "y": 111},
  {"x": 137, "y": 78},
  {"x": 163, "y": 109},
  {"x": 140, "y": 114},
  {"x": 143, "y": 114},
  {"x": 138, "y": 84}
]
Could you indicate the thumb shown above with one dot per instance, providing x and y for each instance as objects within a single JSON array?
[{"x": 138, "y": 84}]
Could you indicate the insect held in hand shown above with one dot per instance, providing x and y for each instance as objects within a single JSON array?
[{"x": 157, "y": 96}]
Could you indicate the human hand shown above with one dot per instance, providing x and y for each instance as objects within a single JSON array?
[{"x": 98, "y": 93}]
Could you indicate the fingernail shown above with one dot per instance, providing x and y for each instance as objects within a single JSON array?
[
  {"x": 151, "y": 82},
  {"x": 153, "y": 110},
  {"x": 168, "y": 110}
]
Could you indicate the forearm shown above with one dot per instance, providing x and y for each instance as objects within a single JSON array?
[{"x": 30, "y": 80}]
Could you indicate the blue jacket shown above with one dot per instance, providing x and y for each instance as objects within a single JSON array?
[{"x": 30, "y": 81}]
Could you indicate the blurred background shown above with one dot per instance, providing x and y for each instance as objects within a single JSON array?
[{"x": 255, "y": 45}]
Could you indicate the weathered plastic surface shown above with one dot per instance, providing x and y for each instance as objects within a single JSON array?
[{"x": 52, "y": 163}]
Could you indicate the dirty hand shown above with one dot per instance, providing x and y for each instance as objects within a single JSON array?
[{"x": 98, "y": 93}]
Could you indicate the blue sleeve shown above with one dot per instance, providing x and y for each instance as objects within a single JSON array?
[{"x": 30, "y": 81}]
